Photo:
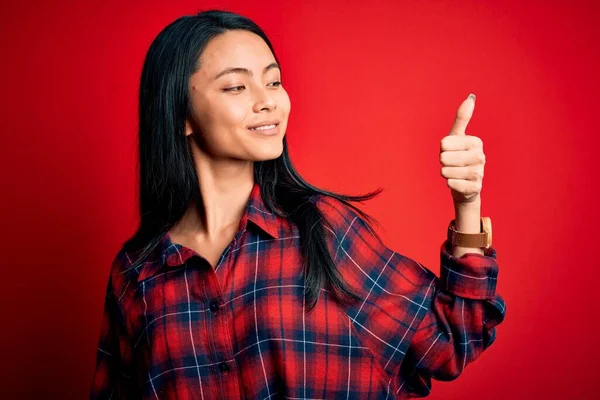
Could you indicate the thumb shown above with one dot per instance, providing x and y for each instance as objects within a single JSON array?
[{"x": 463, "y": 116}]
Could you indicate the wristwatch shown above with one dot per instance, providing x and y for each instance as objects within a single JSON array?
[{"x": 481, "y": 240}]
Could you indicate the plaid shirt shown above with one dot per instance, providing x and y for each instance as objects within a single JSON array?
[{"x": 176, "y": 328}]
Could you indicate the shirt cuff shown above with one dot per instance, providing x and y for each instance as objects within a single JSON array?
[{"x": 472, "y": 276}]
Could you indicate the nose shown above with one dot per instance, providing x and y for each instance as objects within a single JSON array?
[{"x": 263, "y": 100}]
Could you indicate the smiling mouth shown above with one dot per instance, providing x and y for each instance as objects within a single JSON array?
[
  {"x": 266, "y": 130},
  {"x": 264, "y": 127}
]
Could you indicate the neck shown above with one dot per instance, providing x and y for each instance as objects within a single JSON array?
[{"x": 225, "y": 187}]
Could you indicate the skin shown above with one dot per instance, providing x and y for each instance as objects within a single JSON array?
[
  {"x": 463, "y": 162},
  {"x": 223, "y": 147}
]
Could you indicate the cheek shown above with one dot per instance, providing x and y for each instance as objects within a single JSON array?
[
  {"x": 227, "y": 115},
  {"x": 214, "y": 111},
  {"x": 234, "y": 114},
  {"x": 284, "y": 102},
  {"x": 216, "y": 119}
]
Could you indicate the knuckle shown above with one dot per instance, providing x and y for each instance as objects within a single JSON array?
[
  {"x": 446, "y": 142},
  {"x": 443, "y": 144}
]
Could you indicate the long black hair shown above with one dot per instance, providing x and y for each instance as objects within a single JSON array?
[{"x": 168, "y": 182}]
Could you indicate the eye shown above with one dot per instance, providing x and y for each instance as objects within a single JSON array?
[
  {"x": 233, "y": 89},
  {"x": 239, "y": 88}
]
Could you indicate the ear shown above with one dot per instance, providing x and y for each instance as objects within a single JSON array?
[{"x": 188, "y": 128}]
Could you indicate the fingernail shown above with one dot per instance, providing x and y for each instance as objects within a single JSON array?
[{"x": 472, "y": 96}]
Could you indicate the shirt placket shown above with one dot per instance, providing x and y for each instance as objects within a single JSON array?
[{"x": 218, "y": 335}]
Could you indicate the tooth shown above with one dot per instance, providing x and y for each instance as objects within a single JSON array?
[{"x": 264, "y": 127}]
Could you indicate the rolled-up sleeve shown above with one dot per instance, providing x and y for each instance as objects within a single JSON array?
[
  {"x": 463, "y": 311},
  {"x": 418, "y": 326}
]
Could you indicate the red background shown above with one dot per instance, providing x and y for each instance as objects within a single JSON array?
[{"x": 374, "y": 87}]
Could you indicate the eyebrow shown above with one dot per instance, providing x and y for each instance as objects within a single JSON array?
[{"x": 246, "y": 71}]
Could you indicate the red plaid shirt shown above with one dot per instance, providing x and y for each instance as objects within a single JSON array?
[{"x": 175, "y": 328}]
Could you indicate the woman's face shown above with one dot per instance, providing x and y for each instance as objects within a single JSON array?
[{"x": 227, "y": 104}]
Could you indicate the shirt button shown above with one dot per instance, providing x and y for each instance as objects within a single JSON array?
[
  {"x": 224, "y": 367},
  {"x": 214, "y": 306}
]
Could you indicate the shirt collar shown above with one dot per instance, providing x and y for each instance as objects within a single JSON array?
[{"x": 173, "y": 254}]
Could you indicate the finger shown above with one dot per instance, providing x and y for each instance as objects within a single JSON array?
[
  {"x": 460, "y": 142},
  {"x": 470, "y": 173},
  {"x": 462, "y": 158},
  {"x": 463, "y": 116}
]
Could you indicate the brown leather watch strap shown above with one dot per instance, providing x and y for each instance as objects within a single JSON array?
[{"x": 474, "y": 240}]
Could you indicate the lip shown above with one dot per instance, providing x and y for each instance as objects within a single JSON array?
[
  {"x": 267, "y": 132},
  {"x": 271, "y": 122}
]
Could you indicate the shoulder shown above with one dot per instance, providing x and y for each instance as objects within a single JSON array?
[
  {"x": 341, "y": 219},
  {"x": 357, "y": 241},
  {"x": 337, "y": 212},
  {"x": 122, "y": 270}
]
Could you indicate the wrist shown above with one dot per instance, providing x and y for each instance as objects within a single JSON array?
[
  {"x": 468, "y": 217},
  {"x": 471, "y": 207},
  {"x": 467, "y": 220}
]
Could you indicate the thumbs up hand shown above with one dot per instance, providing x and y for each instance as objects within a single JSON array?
[{"x": 462, "y": 158}]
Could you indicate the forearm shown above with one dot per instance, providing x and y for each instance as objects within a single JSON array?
[
  {"x": 467, "y": 220},
  {"x": 465, "y": 328}
]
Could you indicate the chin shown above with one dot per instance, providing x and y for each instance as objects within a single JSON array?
[{"x": 270, "y": 153}]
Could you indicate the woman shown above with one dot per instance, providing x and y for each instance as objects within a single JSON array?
[{"x": 245, "y": 281}]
